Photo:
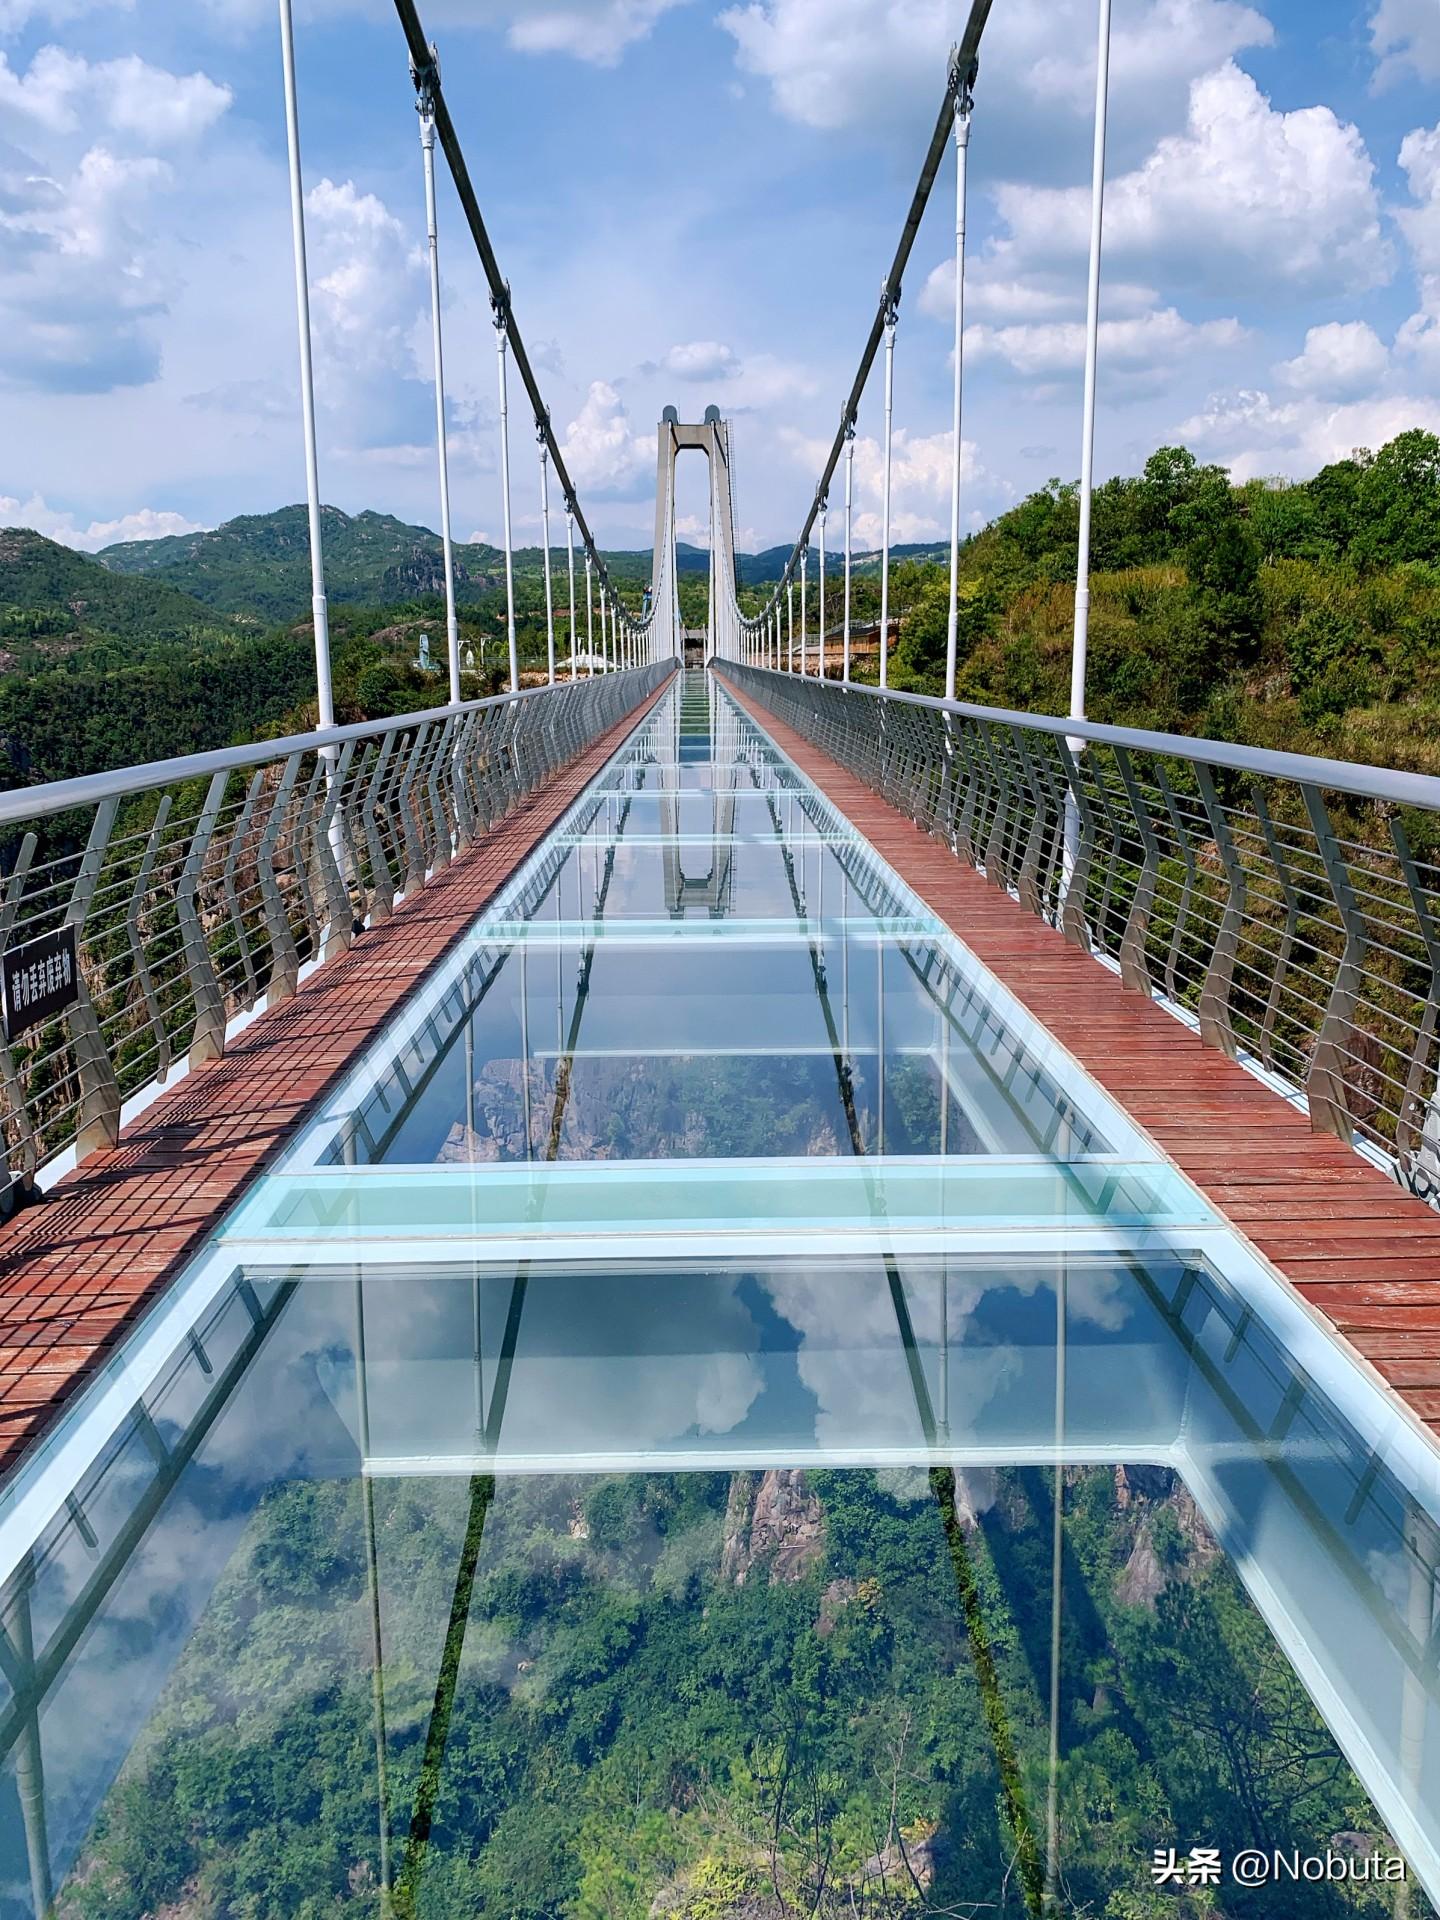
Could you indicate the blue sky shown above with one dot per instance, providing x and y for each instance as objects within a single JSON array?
[{"x": 696, "y": 202}]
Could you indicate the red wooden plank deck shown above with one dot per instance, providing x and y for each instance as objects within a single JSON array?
[
  {"x": 76, "y": 1271},
  {"x": 1363, "y": 1253}
]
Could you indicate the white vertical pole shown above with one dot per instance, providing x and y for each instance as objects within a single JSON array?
[
  {"x": 1081, "y": 642},
  {"x": 324, "y": 693},
  {"x": 452, "y": 626},
  {"x": 501, "y": 341},
  {"x": 570, "y": 566},
  {"x": 589, "y": 616},
  {"x": 821, "y": 615},
  {"x": 849, "y": 506},
  {"x": 545, "y": 537},
  {"x": 1092, "y": 344},
  {"x": 790, "y": 626},
  {"x": 804, "y": 571},
  {"x": 963, "y": 104},
  {"x": 711, "y": 636},
  {"x": 885, "y": 498}
]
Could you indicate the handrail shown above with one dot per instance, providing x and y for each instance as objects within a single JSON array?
[
  {"x": 1338, "y": 776},
  {"x": 1216, "y": 879},
  {"x": 87, "y": 789},
  {"x": 144, "y": 910}
]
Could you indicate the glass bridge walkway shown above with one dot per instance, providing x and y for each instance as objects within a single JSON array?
[{"x": 718, "y": 1414}]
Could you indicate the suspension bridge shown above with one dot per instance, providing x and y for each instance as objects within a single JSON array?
[{"x": 480, "y": 992}]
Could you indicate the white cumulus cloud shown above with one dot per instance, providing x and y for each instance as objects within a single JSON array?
[
  {"x": 1406, "y": 33},
  {"x": 1420, "y": 224},
  {"x": 595, "y": 31},
  {"x": 849, "y": 63},
  {"x": 598, "y": 32},
  {"x": 1340, "y": 360},
  {"x": 61, "y": 91},
  {"x": 1038, "y": 297},
  {"x": 1253, "y": 434},
  {"x": 1147, "y": 344},
  {"x": 146, "y": 523},
  {"x": 1245, "y": 199},
  {"x": 700, "y": 360},
  {"x": 603, "y": 455},
  {"x": 921, "y": 465},
  {"x": 79, "y": 289},
  {"x": 366, "y": 284}
]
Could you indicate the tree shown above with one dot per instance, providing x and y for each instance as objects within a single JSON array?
[{"x": 1397, "y": 502}]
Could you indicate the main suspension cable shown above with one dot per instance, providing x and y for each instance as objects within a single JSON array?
[
  {"x": 426, "y": 71},
  {"x": 959, "y": 85}
]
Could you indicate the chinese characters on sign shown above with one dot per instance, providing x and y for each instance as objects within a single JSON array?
[
  {"x": 40, "y": 979},
  {"x": 1198, "y": 1868}
]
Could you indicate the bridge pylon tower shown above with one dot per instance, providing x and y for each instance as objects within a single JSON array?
[{"x": 711, "y": 436}]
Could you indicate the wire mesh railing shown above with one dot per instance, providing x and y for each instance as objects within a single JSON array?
[
  {"x": 142, "y": 911},
  {"x": 1289, "y": 906}
]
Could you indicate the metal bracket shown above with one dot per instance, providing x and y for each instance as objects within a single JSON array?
[
  {"x": 1326, "y": 1087},
  {"x": 1187, "y": 885},
  {"x": 238, "y": 837},
  {"x": 207, "y": 1041},
  {"x": 153, "y": 1014},
  {"x": 284, "y": 961},
  {"x": 426, "y": 76},
  {"x": 1134, "y": 962},
  {"x": 1216, "y": 1026},
  {"x": 1073, "y": 922},
  {"x": 98, "y": 1122},
  {"x": 1292, "y": 922},
  {"x": 1414, "y": 1106},
  {"x": 14, "y": 1092}
]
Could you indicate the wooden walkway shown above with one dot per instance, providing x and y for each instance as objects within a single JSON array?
[
  {"x": 1351, "y": 1243},
  {"x": 76, "y": 1270}
]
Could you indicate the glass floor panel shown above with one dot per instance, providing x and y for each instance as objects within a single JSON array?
[
  {"x": 717, "y": 878},
  {"x": 718, "y": 1418},
  {"x": 558, "y": 1046}
]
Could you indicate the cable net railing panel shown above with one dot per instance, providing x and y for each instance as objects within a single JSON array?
[
  {"x": 198, "y": 898},
  {"x": 1298, "y": 927}
]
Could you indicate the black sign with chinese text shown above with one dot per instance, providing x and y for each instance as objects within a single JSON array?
[{"x": 41, "y": 979}]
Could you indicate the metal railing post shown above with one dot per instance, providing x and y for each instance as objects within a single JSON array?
[{"x": 98, "y": 1123}]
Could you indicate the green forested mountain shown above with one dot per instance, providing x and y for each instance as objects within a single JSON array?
[
  {"x": 1299, "y": 615},
  {"x": 1302, "y": 616},
  {"x": 800, "y": 1695},
  {"x": 260, "y": 562},
  {"x": 97, "y": 670},
  {"x": 53, "y": 600}
]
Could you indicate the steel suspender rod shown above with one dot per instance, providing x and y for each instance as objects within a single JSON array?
[
  {"x": 964, "y": 64},
  {"x": 426, "y": 71}
]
